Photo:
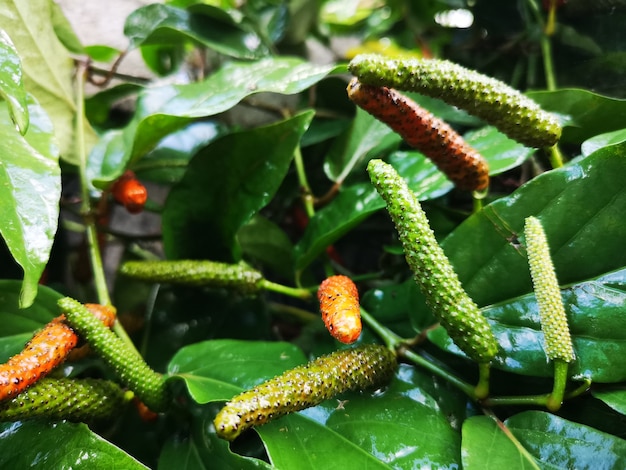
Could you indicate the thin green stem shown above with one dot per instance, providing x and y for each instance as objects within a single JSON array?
[
  {"x": 481, "y": 390},
  {"x": 297, "y": 292},
  {"x": 85, "y": 209},
  {"x": 556, "y": 159},
  {"x": 555, "y": 400},
  {"x": 546, "y": 48},
  {"x": 307, "y": 196},
  {"x": 525, "y": 400},
  {"x": 582, "y": 388},
  {"x": 418, "y": 360},
  {"x": 391, "y": 340}
]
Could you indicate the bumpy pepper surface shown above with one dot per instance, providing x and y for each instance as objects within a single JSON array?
[
  {"x": 558, "y": 340},
  {"x": 240, "y": 276},
  {"x": 306, "y": 386},
  {"x": 340, "y": 308},
  {"x": 463, "y": 165},
  {"x": 83, "y": 400},
  {"x": 47, "y": 349},
  {"x": 432, "y": 270},
  {"x": 494, "y": 101},
  {"x": 129, "y": 366}
]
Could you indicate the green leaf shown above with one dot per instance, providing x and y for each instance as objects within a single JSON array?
[
  {"x": 162, "y": 110},
  {"x": 586, "y": 113},
  {"x": 104, "y": 53},
  {"x": 595, "y": 311},
  {"x": 164, "y": 24},
  {"x": 30, "y": 188},
  {"x": 11, "y": 86},
  {"x": 295, "y": 441},
  {"x": 168, "y": 161},
  {"x": 36, "y": 444},
  {"x": 603, "y": 140},
  {"x": 579, "y": 219},
  {"x": 571, "y": 445},
  {"x": 19, "y": 324},
  {"x": 366, "y": 137},
  {"x": 501, "y": 153},
  {"x": 64, "y": 30},
  {"x": 487, "y": 447},
  {"x": 225, "y": 185},
  {"x": 98, "y": 106},
  {"x": 613, "y": 397},
  {"x": 357, "y": 202},
  {"x": 266, "y": 243},
  {"x": 219, "y": 369},
  {"x": 398, "y": 430},
  {"x": 47, "y": 66},
  {"x": 203, "y": 450}
]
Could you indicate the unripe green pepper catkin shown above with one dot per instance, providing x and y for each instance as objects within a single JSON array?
[
  {"x": 306, "y": 386},
  {"x": 239, "y": 276},
  {"x": 432, "y": 270},
  {"x": 149, "y": 386},
  {"x": 558, "y": 341},
  {"x": 494, "y": 101},
  {"x": 83, "y": 400}
]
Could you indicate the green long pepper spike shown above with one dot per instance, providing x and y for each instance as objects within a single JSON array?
[
  {"x": 306, "y": 386},
  {"x": 493, "y": 101},
  {"x": 434, "y": 273},
  {"x": 239, "y": 276},
  {"x": 149, "y": 386},
  {"x": 558, "y": 341},
  {"x": 78, "y": 400}
]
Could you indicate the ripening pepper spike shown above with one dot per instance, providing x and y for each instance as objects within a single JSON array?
[
  {"x": 419, "y": 128},
  {"x": 432, "y": 270},
  {"x": 340, "y": 308},
  {"x": 131, "y": 369},
  {"x": 558, "y": 340},
  {"x": 306, "y": 386},
  {"x": 240, "y": 277},
  {"x": 79, "y": 400},
  {"x": 47, "y": 349},
  {"x": 493, "y": 101}
]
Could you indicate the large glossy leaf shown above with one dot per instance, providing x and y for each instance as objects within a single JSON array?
[
  {"x": 48, "y": 68},
  {"x": 487, "y": 447},
  {"x": 11, "y": 86},
  {"x": 165, "y": 109},
  {"x": 225, "y": 185},
  {"x": 216, "y": 370},
  {"x": 299, "y": 442},
  {"x": 586, "y": 113},
  {"x": 560, "y": 444},
  {"x": 19, "y": 324},
  {"x": 32, "y": 444},
  {"x": 213, "y": 28},
  {"x": 398, "y": 430},
  {"x": 595, "y": 312},
  {"x": 30, "y": 189},
  {"x": 579, "y": 206}
]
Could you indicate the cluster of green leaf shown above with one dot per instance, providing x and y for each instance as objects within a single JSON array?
[{"x": 288, "y": 193}]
